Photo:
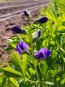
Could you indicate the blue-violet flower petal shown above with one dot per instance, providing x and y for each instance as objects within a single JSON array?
[
  {"x": 22, "y": 47},
  {"x": 43, "y": 53},
  {"x": 16, "y": 29}
]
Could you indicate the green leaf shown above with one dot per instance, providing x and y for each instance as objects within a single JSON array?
[
  {"x": 13, "y": 44},
  {"x": 13, "y": 41},
  {"x": 8, "y": 48},
  {"x": 54, "y": 54},
  {"x": 27, "y": 38},
  {"x": 62, "y": 49},
  {"x": 16, "y": 60},
  {"x": 2, "y": 78},
  {"x": 25, "y": 61},
  {"x": 49, "y": 83},
  {"x": 45, "y": 68},
  {"x": 14, "y": 82},
  {"x": 49, "y": 62},
  {"x": 52, "y": 16},
  {"x": 63, "y": 75},
  {"x": 38, "y": 44},
  {"x": 28, "y": 84},
  {"x": 31, "y": 71},
  {"x": 3, "y": 82},
  {"x": 9, "y": 72},
  {"x": 63, "y": 81},
  {"x": 63, "y": 23},
  {"x": 53, "y": 72}
]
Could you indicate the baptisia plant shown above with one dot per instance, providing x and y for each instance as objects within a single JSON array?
[
  {"x": 46, "y": 66},
  {"x": 22, "y": 46},
  {"x": 28, "y": 64}
]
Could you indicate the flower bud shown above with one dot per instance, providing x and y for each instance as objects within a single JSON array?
[
  {"x": 41, "y": 20},
  {"x": 16, "y": 29},
  {"x": 37, "y": 35},
  {"x": 26, "y": 13}
]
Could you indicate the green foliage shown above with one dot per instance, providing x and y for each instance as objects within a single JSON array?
[
  {"x": 9, "y": 72},
  {"x": 14, "y": 82},
  {"x": 25, "y": 70},
  {"x": 16, "y": 61},
  {"x": 25, "y": 61}
]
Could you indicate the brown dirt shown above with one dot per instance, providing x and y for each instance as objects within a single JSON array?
[
  {"x": 6, "y": 9},
  {"x": 19, "y": 2}
]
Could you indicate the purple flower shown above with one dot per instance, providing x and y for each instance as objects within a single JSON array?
[
  {"x": 41, "y": 20},
  {"x": 22, "y": 47},
  {"x": 43, "y": 53},
  {"x": 26, "y": 13},
  {"x": 37, "y": 35},
  {"x": 16, "y": 29}
]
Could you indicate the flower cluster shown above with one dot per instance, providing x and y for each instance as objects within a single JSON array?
[
  {"x": 22, "y": 46},
  {"x": 43, "y": 53}
]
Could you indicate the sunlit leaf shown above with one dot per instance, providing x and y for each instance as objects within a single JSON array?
[
  {"x": 14, "y": 81},
  {"x": 16, "y": 60},
  {"x": 8, "y": 71},
  {"x": 25, "y": 62},
  {"x": 49, "y": 83},
  {"x": 63, "y": 81}
]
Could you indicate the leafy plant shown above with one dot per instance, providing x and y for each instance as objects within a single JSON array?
[{"x": 39, "y": 56}]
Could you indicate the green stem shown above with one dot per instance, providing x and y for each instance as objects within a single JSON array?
[
  {"x": 37, "y": 72},
  {"x": 31, "y": 38},
  {"x": 32, "y": 52},
  {"x": 8, "y": 82}
]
